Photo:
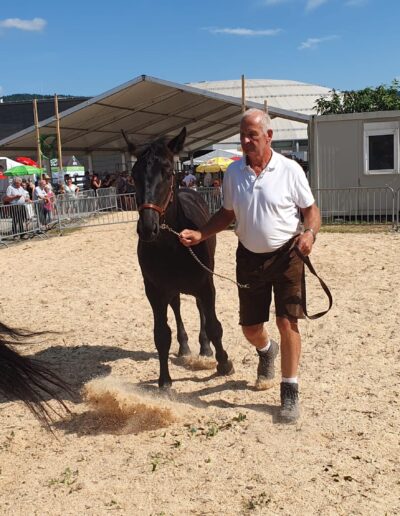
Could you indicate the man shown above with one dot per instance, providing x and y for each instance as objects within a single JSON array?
[
  {"x": 39, "y": 195},
  {"x": 264, "y": 193},
  {"x": 189, "y": 180},
  {"x": 16, "y": 197}
]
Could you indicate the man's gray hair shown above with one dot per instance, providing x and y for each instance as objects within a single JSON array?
[
  {"x": 264, "y": 118},
  {"x": 17, "y": 178}
]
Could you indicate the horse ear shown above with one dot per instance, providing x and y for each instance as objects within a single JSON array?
[
  {"x": 131, "y": 146},
  {"x": 176, "y": 144}
]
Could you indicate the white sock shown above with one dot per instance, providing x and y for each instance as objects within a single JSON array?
[
  {"x": 289, "y": 380},
  {"x": 265, "y": 348}
]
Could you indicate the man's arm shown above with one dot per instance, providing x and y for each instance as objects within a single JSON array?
[
  {"x": 219, "y": 221},
  {"x": 312, "y": 221}
]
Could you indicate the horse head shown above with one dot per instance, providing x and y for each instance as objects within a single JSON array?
[{"x": 153, "y": 174}]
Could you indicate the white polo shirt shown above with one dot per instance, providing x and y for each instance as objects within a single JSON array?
[{"x": 266, "y": 206}]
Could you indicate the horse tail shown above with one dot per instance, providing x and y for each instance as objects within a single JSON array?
[{"x": 29, "y": 380}]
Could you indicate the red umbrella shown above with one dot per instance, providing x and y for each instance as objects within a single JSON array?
[{"x": 27, "y": 161}]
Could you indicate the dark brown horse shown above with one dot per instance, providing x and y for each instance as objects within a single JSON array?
[
  {"x": 167, "y": 267},
  {"x": 29, "y": 380}
]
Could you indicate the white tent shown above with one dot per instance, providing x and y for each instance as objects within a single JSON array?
[
  {"x": 217, "y": 153},
  {"x": 7, "y": 163}
]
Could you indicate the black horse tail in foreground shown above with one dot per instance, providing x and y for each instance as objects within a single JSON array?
[
  {"x": 168, "y": 268},
  {"x": 29, "y": 380}
]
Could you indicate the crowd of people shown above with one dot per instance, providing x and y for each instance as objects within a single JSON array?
[
  {"x": 207, "y": 180},
  {"x": 25, "y": 198}
]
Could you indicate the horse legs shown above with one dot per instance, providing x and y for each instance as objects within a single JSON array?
[
  {"x": 205, "y": 349},
  {"x": 184, "y": 349},
  {"x": 162, "y": 332},
  {"x": 214, "y": 330}
]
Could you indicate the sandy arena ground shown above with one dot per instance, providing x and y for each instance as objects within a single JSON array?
[{"x": 216, "y": 446}]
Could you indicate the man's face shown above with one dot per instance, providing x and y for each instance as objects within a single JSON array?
[
  {"x": 255, "y": 143},
  {"x": 42, "y": 183},
  {"x": 17, "y": 183}
]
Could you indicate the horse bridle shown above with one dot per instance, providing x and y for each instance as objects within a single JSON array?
[{"x": 160, "y": 209}]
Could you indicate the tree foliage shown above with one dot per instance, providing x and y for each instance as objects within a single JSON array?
[
  {"x": 381, "y": 98},
  {"x": 17, "y": 97}
]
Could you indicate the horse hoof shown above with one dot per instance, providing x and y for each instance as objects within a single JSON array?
[
  {"x": 206, "y": 353},
  {"x": 184, "y": 353},
  {"x": 226, "y": 368},
  {"x": 165, "y": 386}
]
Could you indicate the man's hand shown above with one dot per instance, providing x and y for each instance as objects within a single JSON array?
[
  {"x": 305, "y": 242},
  {"x": 189, "y": 237}
]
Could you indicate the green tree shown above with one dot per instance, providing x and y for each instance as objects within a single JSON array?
[{"x": 381, "y": 98}]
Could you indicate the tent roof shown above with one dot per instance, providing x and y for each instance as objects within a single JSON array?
[{"x": 145, "y": 108}]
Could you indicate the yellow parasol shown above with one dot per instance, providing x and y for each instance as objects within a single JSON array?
[{"x": 213, "y": 165}]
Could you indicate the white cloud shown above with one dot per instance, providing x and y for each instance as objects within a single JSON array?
[
  {"x": 314, "y": 42},
  {"x": 313, "y": 4},
  {"x": 245, "y": 32},
  {"x": 37, "y": 24},
  {"x": 275, "y": 2},
  {"x": 355, "y": 3}
]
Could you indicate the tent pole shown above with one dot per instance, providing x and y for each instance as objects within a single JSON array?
[
  {"x": 36, "y": 119},
  {"x": 59, "y": 152},
  {"x": 266, "y": 106}
]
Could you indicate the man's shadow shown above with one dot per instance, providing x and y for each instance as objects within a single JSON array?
[{"x": 195, "y": 398}]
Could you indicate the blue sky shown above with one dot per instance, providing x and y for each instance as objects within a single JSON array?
[{"x": 87, "y": 47}]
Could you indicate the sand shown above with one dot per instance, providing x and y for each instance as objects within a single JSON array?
[{"x": 215, "y": 445}]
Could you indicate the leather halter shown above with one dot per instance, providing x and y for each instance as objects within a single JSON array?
[{"x": 160, "y": 209}]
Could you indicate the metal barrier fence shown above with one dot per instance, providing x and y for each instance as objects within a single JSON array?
[
  {"x": 338, "y": 206},
  {"x": 357, "y": 205},
  {"x": 69, "y": 211},
  {"x": 213, "y": 198},
  {"x": 96, "y": 211},
  {"x": 23, "y": 220}
]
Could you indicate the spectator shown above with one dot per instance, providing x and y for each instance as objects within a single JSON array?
[
  {"x": 130, "y": 193},
  {"x": 49, "y": 202},
  {"x": 120, "y": 183},
  {"x": 30, "y": 186},
  {"x": 107, "y": 182},
  {"x": 71, "y": 189},
  {"x": 87, "y": 180},
  {"x": 48, "y": 181},
  {"x": 95, "y": 183},
  {"x": 39, "y": 196},
  {"x": 16, "y": 197},
  {"x": 207, "y": 180},
  {"x": 189, "y": 180}
]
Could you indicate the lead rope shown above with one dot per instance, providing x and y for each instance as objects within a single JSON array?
[{"x": 240, "y": 285}]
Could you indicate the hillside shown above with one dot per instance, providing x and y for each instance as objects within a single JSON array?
[{"x": 17, "y": 97}]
